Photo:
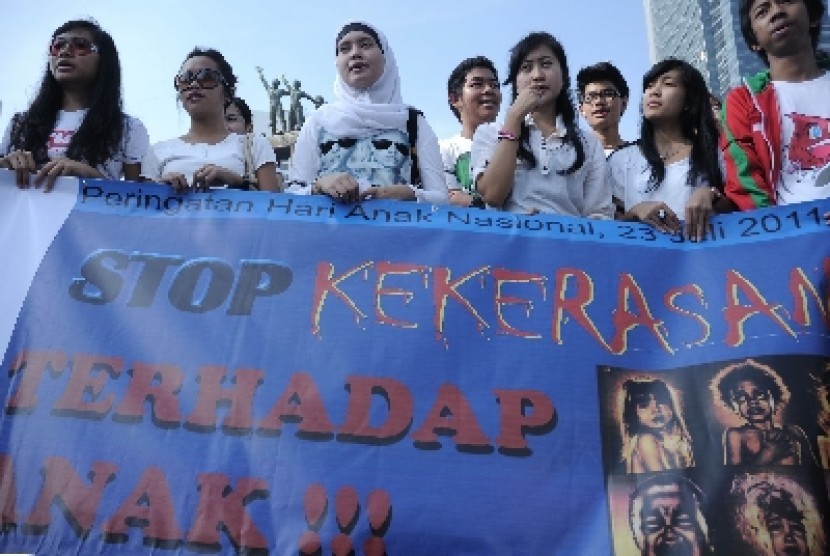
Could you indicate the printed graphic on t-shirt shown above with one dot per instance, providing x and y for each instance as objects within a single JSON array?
[
  {"x": 810, "y": 145},
  {"x": 59, "y": 141},
  {"x": 380, "y": 159},
  {"x": 463, "y": 172},
  {"x": 804, "y": 175}
]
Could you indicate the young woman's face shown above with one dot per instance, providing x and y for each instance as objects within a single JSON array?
[
  {"x": 200, "y": 87},
  {"x": 73, "y": 57},
  {"x": 541, "y": 70},
  {"x": 752, "y": 402},
  {"x": 234, "y": 122},
  {"x": 360, "y": 61},
  {"x": 654, "y": 413},
  {"x": 664, "y": 98}
]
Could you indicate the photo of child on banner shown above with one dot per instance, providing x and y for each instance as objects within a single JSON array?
[{"x": 717, "y": 458}]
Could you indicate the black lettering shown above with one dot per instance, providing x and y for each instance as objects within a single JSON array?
[
  {"x": 101, "y": 282},
  {"x": 258, "y": 279},
  {"x": 182, "y": 293}
]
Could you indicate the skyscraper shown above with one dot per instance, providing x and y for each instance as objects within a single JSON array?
[{"x": 707, "y": 34}]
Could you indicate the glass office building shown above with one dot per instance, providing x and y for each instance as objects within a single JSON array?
[{"x": 707, "y": 34}]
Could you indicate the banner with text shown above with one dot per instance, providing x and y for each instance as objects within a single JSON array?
[{"x": 259, "y": 373}]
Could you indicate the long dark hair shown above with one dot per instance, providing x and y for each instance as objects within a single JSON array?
[
  {"x": 564, "y": 103},
  {"x": 100, "y": 134},
  {"x": 697, "y": 124},
  {"x": 229, "y": 86},
  {"x": 639, "y": 392}
]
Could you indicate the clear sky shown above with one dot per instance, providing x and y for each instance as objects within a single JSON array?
[{"x": 296, "y": 38}]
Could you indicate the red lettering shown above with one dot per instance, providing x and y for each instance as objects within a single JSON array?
[
  {"x": 162, "y": 394},
  {"x": 35, "y": 364},
  {"x": 446, "y": 288},
  {"x": 516, "y": 422},
  {"x": 573, "y": 306},
  {"x": 503, "y": 276},
  {"x": 211, "y": 393},
  {"x": 89, "y": 375},
  {"x": 324, "y": 284},
  {"x": 625, "y": 321},
  {"x": 300, "y": 403},
  {"x": 694, "y": 290},
  {"x": 800, "y": 286},
  {"x": 357, "y": 427},
  {"x": 78, "y": 501},
  {"x": 451, "y": 415},
  {"x": 149, "y": 507},
  {"x": 736, "y": 314},
  {"x": 221, "y": 508},
  {"x": 8, "y": 493},
  {"x": 384, "y": 269}
]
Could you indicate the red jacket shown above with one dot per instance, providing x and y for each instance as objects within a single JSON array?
[{"x": 751, "y": 142}]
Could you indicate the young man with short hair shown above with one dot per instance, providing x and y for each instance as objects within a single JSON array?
[
  {"x": 777, "y": 124},
  {"x": 603, "y": 98},
  {"x": 474, "y": 96}
]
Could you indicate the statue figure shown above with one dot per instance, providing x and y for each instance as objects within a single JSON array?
[
  {"x": 277, "y": 115},
  {"x": 296, "y": 118}
]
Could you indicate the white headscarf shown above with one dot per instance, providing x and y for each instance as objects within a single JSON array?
[{"x": 361, "y": 112}]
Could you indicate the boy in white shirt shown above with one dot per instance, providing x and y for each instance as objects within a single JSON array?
[
  {"x": 474, "y": 96},
  {"x": 777, "y": 124}
]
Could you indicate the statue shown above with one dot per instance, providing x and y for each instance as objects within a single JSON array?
[
  {"x": 277, "y": 115},
  {"x": 296, "y": 118}
]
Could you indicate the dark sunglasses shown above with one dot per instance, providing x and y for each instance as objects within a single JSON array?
[
  {"x": 207, "y": 78},
  {"x": 383, "y": 144},
  {"x": 345, "y": 142},
  {"x": 77, "y": 46}
]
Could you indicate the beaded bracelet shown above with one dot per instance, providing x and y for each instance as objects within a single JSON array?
[{"x": 506, "y": 135}]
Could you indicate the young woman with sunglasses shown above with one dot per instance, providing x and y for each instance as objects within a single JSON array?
[
  {"x": 75, "y": 126},
  {"x": 359, "y": 147},
  {"x": 538, "y": 160},
  {"x": 673, "y": 172},
  {"x": 208, "y": 155}
]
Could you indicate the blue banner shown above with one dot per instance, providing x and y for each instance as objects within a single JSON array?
[{"x": 260, "y": 373}]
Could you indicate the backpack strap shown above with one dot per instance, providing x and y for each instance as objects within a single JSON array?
[{"x": 412, "y": 131}]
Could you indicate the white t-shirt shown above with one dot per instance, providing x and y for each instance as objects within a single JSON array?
[
  {"x": 630, "y": 175},
  {"x": 175, "y": 155},
  {"x": 133, "y": 145},
  {"x": 585, "y": 192},
  {"x": 455, "y": 154},
  {"x": 805, "y": 130},
  {"x": 381, "y": 158}
]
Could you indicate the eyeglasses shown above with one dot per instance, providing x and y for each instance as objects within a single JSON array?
[
  {"x": 384, "y": 144},
  {"x": 605, "y": 94},
  {"x": 77, "y": 46},
  {"x": 207, "y": 78},
  {"x": 344, "y": 142},
  {"x": 481, "y": 84}
]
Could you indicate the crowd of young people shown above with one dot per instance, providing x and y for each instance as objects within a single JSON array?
[{"x": 766, "y": 149}]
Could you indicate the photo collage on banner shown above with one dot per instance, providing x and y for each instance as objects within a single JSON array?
[{"x": 729, "y": 457}]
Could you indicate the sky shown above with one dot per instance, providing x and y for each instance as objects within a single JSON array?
[{"x": 429, "y": 37}]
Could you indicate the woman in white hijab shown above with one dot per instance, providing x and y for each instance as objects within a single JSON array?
[{"x": 359, "y": 146}]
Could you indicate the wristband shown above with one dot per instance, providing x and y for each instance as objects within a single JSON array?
[{"x": 505, "y": 135}]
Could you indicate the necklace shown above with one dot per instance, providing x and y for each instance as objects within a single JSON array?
[{"x": 667, "y": 155}]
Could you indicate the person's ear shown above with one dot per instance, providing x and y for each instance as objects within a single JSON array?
[
  {"x": 624, "y": 105},
  {"x": 455, "y": 100}
]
